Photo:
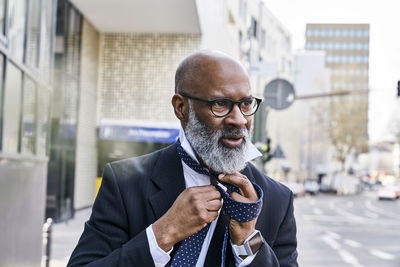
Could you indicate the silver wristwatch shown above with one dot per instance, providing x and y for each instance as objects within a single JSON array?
[{"x": 250, "y": 246}]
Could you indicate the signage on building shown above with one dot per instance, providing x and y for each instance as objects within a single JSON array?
[{"x": 138, "y": 133}]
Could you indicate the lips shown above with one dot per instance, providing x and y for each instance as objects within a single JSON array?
[{"x": 232, "y": 140}]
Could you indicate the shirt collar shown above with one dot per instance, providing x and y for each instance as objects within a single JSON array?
[{"x": 250, "y": 154}]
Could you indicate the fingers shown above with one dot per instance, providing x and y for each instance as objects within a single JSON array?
[
  {"x": 214, "y": 205},
  {"x": 240, "y": 181},
  {"x": 202, "y": 189}
]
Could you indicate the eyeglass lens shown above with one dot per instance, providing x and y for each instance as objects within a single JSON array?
[{"x": 222, "y": 107}]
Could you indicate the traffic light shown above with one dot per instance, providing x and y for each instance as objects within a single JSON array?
[
  {"x": 266, "y": 150},
  {"x": 268, "y": 143}
]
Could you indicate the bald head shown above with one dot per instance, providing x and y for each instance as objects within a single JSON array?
[{"x": 201, "y": 67}]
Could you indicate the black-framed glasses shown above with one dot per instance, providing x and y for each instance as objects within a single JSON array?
[{"x": 221, "y": 106}]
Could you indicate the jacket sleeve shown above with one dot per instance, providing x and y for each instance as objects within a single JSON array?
[
  {"x": 105, "y": 240},
  {"x": 284, "y": 250}
]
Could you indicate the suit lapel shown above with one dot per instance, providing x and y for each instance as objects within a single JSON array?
[{"x": 168, "y": 177}]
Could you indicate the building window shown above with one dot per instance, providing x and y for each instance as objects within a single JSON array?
[
  {"x": 16, "y": 32},
  {"x": 3, "y": 13},
  {"x": 12, "y": 109},
  {"x": 1, "y": 98},
  {"x": 33, "y": 34},
  {"x": 254, "y": 27},
  {"x": 29, "y": 117},
  {"x": 43, "y": 118},
  {"x": 46, "y": 38}
]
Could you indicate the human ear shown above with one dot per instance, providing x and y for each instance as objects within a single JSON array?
[{"x": 180, "y": 107}]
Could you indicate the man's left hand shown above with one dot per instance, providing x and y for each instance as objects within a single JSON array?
[{"x": 239, "y": 231}]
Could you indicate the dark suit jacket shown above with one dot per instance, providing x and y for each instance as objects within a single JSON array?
[{"x": 136, "y": 192}]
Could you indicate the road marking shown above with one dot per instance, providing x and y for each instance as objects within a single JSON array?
[
  {"x": 373, "y": 208},
  {"x": 330, "y": 239},
  {"x": 318, "y": 211},
  {"x": 345, "y": 213},
  {"x": 372, "y": 215},
  {"x": 352, "y": 243},
  {"x": 331, "y": 242},
  {"x": 349, "y": 258},
  {"x": 382, "y": 255},
  {"x": 333, "y": 234},
  {"x": 342, "y": 219}
]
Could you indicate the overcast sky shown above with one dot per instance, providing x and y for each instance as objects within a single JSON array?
[{"x": 384, "y": 19}]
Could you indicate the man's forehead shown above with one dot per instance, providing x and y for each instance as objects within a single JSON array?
[
  {"x": 218, "y": 71},
  {"x": 217, "y": 62}
]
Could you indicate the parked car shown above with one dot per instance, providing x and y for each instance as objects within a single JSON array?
[
  {"x": 297, "y": 188},
  {"x": 389, "y": 192},
  {"x": 311, "y": 187}
]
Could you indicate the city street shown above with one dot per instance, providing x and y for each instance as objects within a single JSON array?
[
  {"x": 333, "y": 231},
  {"x": 357, "y": 231}
]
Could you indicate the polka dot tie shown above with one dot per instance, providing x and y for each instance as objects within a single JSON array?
[{"x": 189, "y": 250}]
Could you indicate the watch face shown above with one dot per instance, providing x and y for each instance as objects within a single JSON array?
[{"x": 255, "y": 242}]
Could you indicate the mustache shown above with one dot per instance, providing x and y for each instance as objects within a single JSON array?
[
  {"x": 223, "y": 132},
  {"x": 243, "y": 131}
]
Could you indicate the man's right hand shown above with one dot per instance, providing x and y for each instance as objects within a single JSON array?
[{"x": 194, "y": 208}]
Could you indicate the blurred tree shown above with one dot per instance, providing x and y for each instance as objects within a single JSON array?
[{"x": 348, "y": 130}]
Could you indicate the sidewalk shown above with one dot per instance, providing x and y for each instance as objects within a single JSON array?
[{"x": 65, "y": 236}]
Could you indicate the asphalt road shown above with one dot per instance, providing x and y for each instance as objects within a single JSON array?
[
  {"x": 340, "y": 231},
  {"x": 333, "y": 231}
]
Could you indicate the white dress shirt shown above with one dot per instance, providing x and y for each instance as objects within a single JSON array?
[{"x": 192, "y": 178}]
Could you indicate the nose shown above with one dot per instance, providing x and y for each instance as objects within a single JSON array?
[{"x": 236, "y": 118}]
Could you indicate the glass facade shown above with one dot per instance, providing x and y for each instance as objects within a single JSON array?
[
  {"x": 29, "y": 117},
  {"x": 12, "y": 109},
  {"x": 61, "y": 169},
  {"x": 25, "y": 88},
  {"x": 1, "y": 98},
  {"x": 3, "y": 6},
  {"x": 16, "y": 28},
  {"x": 33, "y": 34},
  {"x": 335, "y": 45},
  {"x": 340, "y": 32}
]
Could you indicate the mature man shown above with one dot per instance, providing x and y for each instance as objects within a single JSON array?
[{"x": 197, "y": 202}]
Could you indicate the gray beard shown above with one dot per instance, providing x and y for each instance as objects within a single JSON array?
[{"x": 211, "y": 151}]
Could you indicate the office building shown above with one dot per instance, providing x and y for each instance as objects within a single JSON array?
[{"x": 347, "y": 57}]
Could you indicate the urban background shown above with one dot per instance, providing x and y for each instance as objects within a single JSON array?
[{"x": 83, "y": 83}]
